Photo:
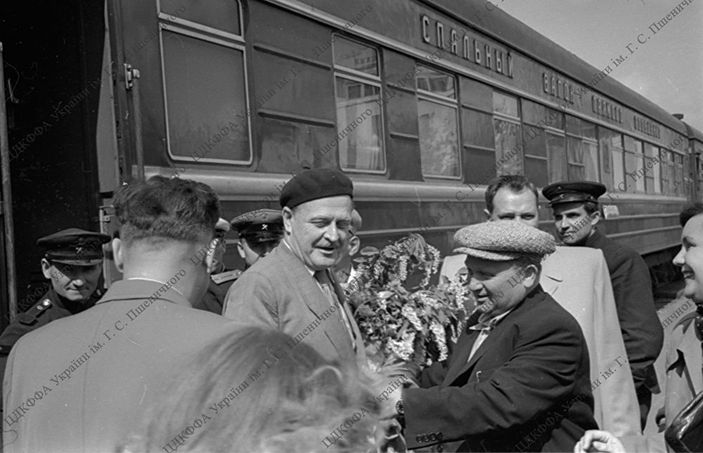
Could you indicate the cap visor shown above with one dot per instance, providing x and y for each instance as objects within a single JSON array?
[
  {"x": 92, "y": 262},
  {"x": 486, "y": 255}
]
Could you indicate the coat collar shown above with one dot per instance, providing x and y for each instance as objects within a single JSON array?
[
  {"x": 142, "y": 289},
  {"x": 460, "y": 364}
]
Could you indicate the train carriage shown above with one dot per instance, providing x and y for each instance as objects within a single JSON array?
[{"x": 420, "y": 102}]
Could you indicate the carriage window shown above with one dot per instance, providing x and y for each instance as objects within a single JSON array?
[
  {"x": 611, "y": 159},
  {"x": 508, "y": 139},
  {"x": 218, "y": 14},
  {"x": 205, "y": 97},
  {"x": 581, "y": 150},
  {"x": 653, "y": 169},
  {"x": 666, "y": 171},
  {"x": 634, "y": 165},
  {"x": 678, "y": 174},
  {"x": 358, "y": 100},
  {"x": 438, "y": 125}
]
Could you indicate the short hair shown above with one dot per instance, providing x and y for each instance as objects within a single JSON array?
[
  {"x": 516, "y": 183},
  {"x": 590, "y": 207},
  {"x": 271, "y": 393},
  {"x": 167, "y": 208},
  {"x": 689, "y": 212},
  {"x": 355, "y": 221}
]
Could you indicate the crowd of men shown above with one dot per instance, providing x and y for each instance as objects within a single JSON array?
[{"x": 563, "y": 339}]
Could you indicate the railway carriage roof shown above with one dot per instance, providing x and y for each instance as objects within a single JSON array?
[
  {"x": 501, "y": 26},
  {"x": 694, "y": 133}
]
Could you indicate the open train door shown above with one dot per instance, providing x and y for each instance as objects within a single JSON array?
[{"x": 8, "y": 294}]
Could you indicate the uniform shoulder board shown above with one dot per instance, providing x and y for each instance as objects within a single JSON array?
[
  {"x": 30, "y": 316},
  {"x": 226, "y": 276}
]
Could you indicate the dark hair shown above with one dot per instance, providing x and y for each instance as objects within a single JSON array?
[
  {"x": 590, "y": 207},
  {"x": 689, "y": 212},
  {"x": 167, "y": 208},
  {"x": 516, "y": 183}
]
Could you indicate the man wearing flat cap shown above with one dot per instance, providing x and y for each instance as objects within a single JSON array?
[
  {"x": 518, "y": 377},
  {"x": 73, "y": 263},
  {"x": 292, "y": 289},
  {"x": 576, "y": 213}
]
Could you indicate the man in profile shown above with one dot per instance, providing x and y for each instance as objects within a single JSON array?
[
  {"x": 576, "y": 214},
  {"x": 90, "y": 375},
  {"x": 577, "y": 278},
  {"x": 292, "y": 289},
  {"x": 518, "y": 377}
]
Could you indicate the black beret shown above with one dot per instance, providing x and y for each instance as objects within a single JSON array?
[
  {"x": 314, "y": 184},
  {"x": 262, "y": 225},
  {"x": 573, "y": 192},
  {"x": 74, "y": 246}
]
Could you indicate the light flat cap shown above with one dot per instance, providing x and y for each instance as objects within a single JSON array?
[
  {"x": 314, "y": 184},
  {"x": 573, "y": 192},
  {"x": 503, "y": 240}
]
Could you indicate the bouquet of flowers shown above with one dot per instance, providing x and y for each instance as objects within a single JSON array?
[{"x": 400, "y": 315}]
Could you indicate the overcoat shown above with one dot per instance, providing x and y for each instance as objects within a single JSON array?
[
  {"x": 632, "y": 287},
  {"x": 81, "y": 384},
  {"x": 280, "y": 292}
]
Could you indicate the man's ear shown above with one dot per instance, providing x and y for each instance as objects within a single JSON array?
[
  {"x": 240, "y": 249},
  {"x": 287, "y": 219},
  {"x": 530, "y": 275},
  {"x": 118, "y": 254},
  {"x": 209, "y": 258},
  {"x": 595, "y": 217},
  {"x": 354, "y": 245},
  {"x": 46, "y": 268}
]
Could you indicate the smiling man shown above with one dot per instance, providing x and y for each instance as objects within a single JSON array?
[
  {"x": 292, "y": 289},
  {"x": 518, "y": 377},
  {"x": 73, "y": 263}
]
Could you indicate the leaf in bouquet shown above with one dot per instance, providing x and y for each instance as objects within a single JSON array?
[{"x": 369, "y": 251}]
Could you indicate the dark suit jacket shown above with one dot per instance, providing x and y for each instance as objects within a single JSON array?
[
  {"x": 641, "y": 330},
  {"x": 279, "y": 292},
  {"x": 525, "y": 389}
]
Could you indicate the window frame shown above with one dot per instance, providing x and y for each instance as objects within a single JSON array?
[
  {"x": 515, "y": 120},
  {"x": 173, "y": 24},
  {"x": 346, "y": 73},
  {"x": 428, "y": 96}
]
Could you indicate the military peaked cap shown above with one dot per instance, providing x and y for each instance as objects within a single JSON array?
[
  {"x": 74, "y": 246},
  {"x": 262, "y": 225},
  {"x": 573, "y": 192}
]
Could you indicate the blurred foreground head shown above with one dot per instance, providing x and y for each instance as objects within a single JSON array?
[{"x": 260, "y": 391}]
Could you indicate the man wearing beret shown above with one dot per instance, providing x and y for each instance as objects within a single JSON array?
[
  {"x": 575, "y": 208},
  {"x": 518, "y": 377},
  {"x": 292, "y": 289},
  {"x": 72, "y": 262}
]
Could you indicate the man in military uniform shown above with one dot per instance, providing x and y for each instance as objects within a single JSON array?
[
  {"x": 73, "y": 263},
  {"x": 575, "y": 207},
  {"x": 259, "y": 232}
]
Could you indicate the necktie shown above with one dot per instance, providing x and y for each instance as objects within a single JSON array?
[{"x": 327, "y": 289}]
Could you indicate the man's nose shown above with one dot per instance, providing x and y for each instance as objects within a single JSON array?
[
  {"x": 679, "y": 258},
  {"x": 332, "y": 233}
]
